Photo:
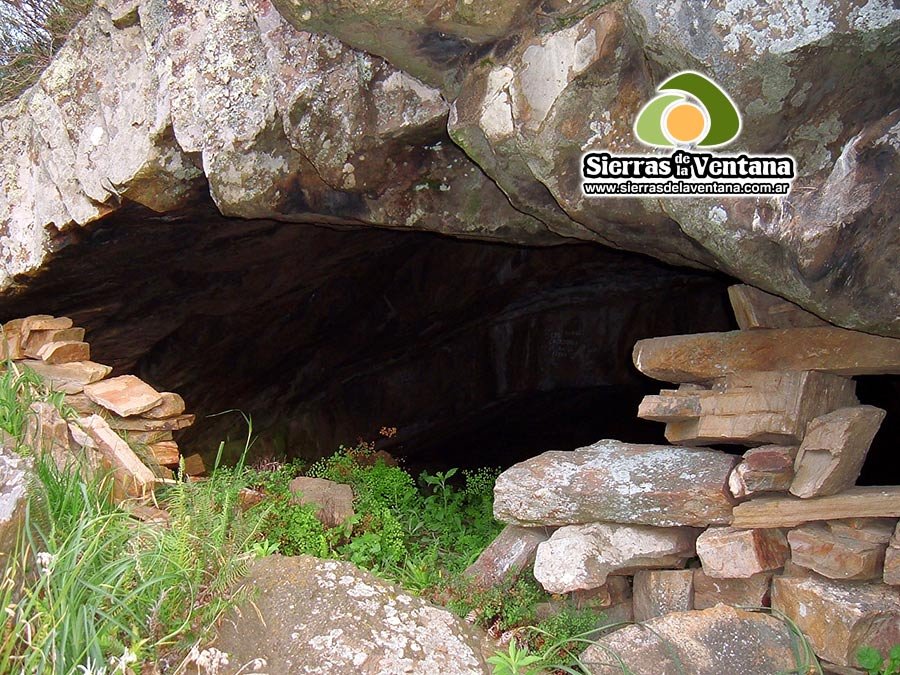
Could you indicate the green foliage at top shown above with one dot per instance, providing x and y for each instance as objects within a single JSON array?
[{"x": 871, "y": 660}]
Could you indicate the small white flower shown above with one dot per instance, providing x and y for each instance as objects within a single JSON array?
[
  {"x": 211, "y": 660},
  {"x": 121, "y": 663},
  {"x": 45, "y": 561}
]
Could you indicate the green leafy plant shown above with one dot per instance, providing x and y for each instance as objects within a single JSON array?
[
  {"x": 515, "y": 661},
  {"x": 871, "y": 660},
  {"x": 261, "y": 549}
]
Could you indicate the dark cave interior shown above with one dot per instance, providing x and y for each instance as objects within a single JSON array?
[{"x": 479, "y": 354}]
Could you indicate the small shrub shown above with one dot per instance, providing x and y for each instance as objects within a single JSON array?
[{"x": 295, "y": 528}]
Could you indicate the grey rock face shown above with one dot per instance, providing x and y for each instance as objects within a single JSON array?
[
  {"x": 324, "y": 616},
  {"x": 612, "y": 481},
  {"x": 14, "y": 472}
]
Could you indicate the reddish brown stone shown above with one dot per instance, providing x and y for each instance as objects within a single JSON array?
[
  {"x": 765, "y": 407},
  {"x": 834, "y": 449},
  {"x": 512, "y": 551},
  {"x": 171, "y": 405},
  {"x": 840, "y": 617},
  {"x": 769, "y": 468},
  {"x": 38, "y": 338},
  {"x": 69, "y": 378},
  {"x": 707, "y": 356},
  {"x": 65, "y": 352},
  {"x": 788, "y": 511},
  {"x": 131, "y": 477},
  {"x": 730, "y": 553},
  {"x": 817, "y": 548},
  {"x": 125, "y": 395},
  {"x": 754, "y": 308}
]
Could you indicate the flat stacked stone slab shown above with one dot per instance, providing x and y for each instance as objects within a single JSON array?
[
  {"x": 754, "y": 308},
  {"x": 707, "y": 356},
  {"x": 617, "y": 482},
  {"x": 838, "y": 617},
  {"x": 580, "y": 557},
  {"x": 69, "y": 378},
  {"x": 817, "y": 547},
  {"x": 132, "y": 478},
  {"x": 749, "y": 408},
  {"x": 789, "y": 511},
  {"x": 125, "y": 395},
  {"x": 39, "y": 338}
]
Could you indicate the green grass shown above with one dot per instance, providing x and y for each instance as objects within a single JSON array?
[{"x": 88, "y": 587}]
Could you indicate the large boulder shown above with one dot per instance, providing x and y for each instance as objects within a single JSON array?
[
  {"x": 708, "y": 642},
  {"x": 323, "y": 616}
]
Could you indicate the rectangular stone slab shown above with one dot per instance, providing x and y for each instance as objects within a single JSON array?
[
  {"x": 132, "y": 478},
  {"x": 69, "y": 377},
  {"x": 165, "y": 453},
  {"x": 617, "y": 482},
  {"x": 65, "y": 352},
  {"x": 512, "y": 551},
  {"x": 142, "y": 424},
  {"x": 707, "y": 356},
  {"x": 750, "y": 408},
  {"x": 857, "y": 502},
  {"x": 39, "y": 338},
  {"x": 752, "y": 592},
  {"x": 125, "y": 395},
  {"x": 834, "y": 449}
]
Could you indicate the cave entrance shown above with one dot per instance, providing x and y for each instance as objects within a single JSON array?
[{"x": 477, "y": 353}]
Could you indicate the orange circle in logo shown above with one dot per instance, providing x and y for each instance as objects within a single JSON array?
[{"x": 685, "y": 122}]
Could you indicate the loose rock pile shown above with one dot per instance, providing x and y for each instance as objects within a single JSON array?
[
  {"x": 782, "y": 526},
  {"x": 124, "y": 425}
]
